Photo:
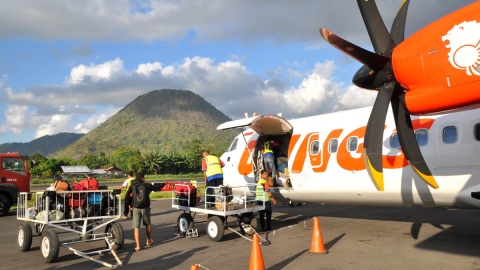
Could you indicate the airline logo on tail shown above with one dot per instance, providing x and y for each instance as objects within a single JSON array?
[{"x": 464, "y": 47}]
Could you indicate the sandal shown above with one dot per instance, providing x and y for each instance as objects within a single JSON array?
[
  {"x": 149, "y": 244},
  {"x": 137, "y": 249}
]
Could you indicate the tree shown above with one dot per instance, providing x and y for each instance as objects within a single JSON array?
[
  {"x": 152, "y": 162},
  {"x": 121, "y": 156},
  {"x": 88, "y": 160},
  {"x": 194, "y": 154}
]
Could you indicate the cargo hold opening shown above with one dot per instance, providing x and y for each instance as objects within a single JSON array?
[{"x": 268, "y": 127}]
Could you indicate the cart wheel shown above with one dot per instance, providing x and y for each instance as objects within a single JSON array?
[
  {"x": 24, "y": 237},
  {"x": 4, "y": 205},
  {"x": 184, "y": 222},
  {"x": 215, "y": 228},
  {"x": 250, "y": 219},
  {"x": 117, "y": 235},
  {"x": 49, "y": 246},
  {"x": 39, "y": 228}
]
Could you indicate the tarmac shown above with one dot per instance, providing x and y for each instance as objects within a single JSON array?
[{"x": 356, "y": 237}]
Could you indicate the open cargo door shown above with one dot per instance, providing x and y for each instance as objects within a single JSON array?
[{"x": 266, "y": 124}]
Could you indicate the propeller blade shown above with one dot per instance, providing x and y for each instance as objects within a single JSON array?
[
  {"x": 373, "y": 143},
  {"x": 398, "y": 27},
  {"x": 381, "y": 39},
  {"x": 408, "y": 141},
  {"x": 372, "y": 60}
]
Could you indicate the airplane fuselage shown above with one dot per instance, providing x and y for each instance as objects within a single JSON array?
[{"x": 326, "y": 161}]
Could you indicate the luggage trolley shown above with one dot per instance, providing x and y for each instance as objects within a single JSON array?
[
  {"x": 77, "y": 212},
  {"x": 237, "y": 204}
]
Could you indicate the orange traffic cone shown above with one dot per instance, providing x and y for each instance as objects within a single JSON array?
[
  {"x": 256, "y": 258},
  {"x": 194, "y": 267},
  {"x": 317, "y": 239}
]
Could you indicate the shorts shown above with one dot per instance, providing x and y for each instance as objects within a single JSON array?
[{"x": 141, "y": 214}]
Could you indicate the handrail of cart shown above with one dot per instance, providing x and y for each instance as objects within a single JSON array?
[
  {"x": 245, "y": 200},
  {"x": 28, "y": 212}
]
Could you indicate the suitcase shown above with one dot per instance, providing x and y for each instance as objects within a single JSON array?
[
  {"x": 185, "y": 191},
  {"x": 77, "y": 187},
  {"x": 61, "y": 185},
  {"x": 223, "y": 193},
  {"x": 90, "y": 183},
  {"x": 95, "y": 198},
  {"x": 77, "y": 202}
]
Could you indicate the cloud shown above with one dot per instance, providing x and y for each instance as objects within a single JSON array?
[
  {"x": 82, "y": 74},
  {"x": 56, "y": 124},
  {"x": 95, "y": 120},
  {"x": 248, "y": 20},
  {"x": 228, "y": 85}
]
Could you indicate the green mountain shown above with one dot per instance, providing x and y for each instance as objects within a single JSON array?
[
  {"x": 45, "y": 145},
  {"x": 163, "y": 120}
]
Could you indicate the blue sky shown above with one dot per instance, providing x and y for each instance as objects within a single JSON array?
[{"x": 67, "y": 66}]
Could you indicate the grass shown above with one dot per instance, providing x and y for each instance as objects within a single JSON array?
[
  {"x": 168, "y": 194},
  {"x": 39, "y": 181}
]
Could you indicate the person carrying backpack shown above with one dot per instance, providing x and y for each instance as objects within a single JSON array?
[{"x": 139, "y": 204}]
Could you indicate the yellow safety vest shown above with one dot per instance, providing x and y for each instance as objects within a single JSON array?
[
  {"x": 213, "y": 165},
  {"x": 129, "y": 182},
  {"x": 260, "y": 193},
  {"x": 266, "y": 148}
]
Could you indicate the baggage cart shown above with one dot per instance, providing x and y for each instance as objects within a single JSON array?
[
  {"x": 86, "y": 216},
  {"x": 238, "y": 204}
]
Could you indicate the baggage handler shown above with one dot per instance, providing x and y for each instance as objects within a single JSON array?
[
  {"x": 269, "y": 158},
  {"x": 264, "y": 196},
  {"x": 212, "y": 173},
  {"x": 126, "y": 184}
]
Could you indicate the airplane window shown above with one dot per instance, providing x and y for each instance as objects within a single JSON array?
[
  {"x": 234, "y": 145},
  {"x": 422, "y": 137},
  {"x": 352, "y": 144},
  {"x": 477, "y": 132},
  {"x": 394, "y": 141},
  {"x": 315, "y": 147},
  {"x": 449, "y": 135},
  {"x": 333, "y": 146}
]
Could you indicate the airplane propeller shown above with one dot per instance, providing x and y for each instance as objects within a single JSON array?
[{"x": 378, "y": 74}]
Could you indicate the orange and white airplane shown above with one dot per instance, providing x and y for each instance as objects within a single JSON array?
[
  {"x": 416, "y": 157},
  {"x": 326, "y": 159}
]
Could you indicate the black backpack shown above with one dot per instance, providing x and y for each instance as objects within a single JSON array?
[{"x": 140, "y": 195}]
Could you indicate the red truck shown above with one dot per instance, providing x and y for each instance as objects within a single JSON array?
[{"x": 14, "y": 178}]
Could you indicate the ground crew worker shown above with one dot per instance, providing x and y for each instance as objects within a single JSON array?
[
  {"x": 264, "y": 197},
  {"x": 126, "y": 185},
  {"x": 269, "y": 158},
  {"x": 212, "y": 173}
]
